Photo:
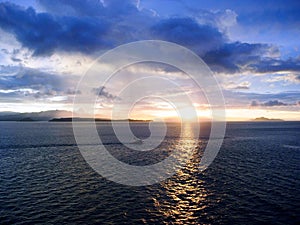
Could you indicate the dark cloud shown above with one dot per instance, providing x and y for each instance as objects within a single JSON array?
[
  {"x": 101, "y": 92},
  {"x": 93, "y": 25},
  {"x": 73, "y": 92},
  {"x": 44, "y": 33},
  {"x": 4, "y": 50},
  {"x": 242, "y": 87},
  {"x": 32, "y": 82},
  {"x": 254, "y": 103},
  {"x": 242, "y": 98},
  {"x": 257, "y": 58},
  {"x": 75, "y": 26},
  {"x": 15, "y": 59},
  {"x": 274, "y": 103},
  {"x": 29, "y": 78},
  {"x": 271, "y": 103},
  {"x": 287, "y": 96},
  {"x": 275, "y": 65},
  {"x": 187, "y": 32},
  {"x": 233, "y": 57}
]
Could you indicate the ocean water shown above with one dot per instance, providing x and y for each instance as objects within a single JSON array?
[{"x": 255, "y": 178}]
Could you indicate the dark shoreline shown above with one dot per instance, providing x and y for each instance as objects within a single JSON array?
[{"x": 76, "y": 119}]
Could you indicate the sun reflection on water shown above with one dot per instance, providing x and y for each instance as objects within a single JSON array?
[{"x": 184, "y": 195}]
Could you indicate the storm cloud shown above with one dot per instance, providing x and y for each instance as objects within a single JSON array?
[
  {"x": 44, "y": 33},
  {"x": 91, "y": 26},
  {"x": 187, "y": 32}
]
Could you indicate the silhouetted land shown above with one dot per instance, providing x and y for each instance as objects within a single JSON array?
[
  {"x": 266, "y": 119},
  {"x": 70, "y": 119}
]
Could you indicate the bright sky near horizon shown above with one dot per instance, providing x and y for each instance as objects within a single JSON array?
[{"x": 252, "y": 47}]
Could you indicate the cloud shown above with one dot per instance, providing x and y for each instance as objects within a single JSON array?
[
  {"x": 29, "y": 78},
  {"x": 291, "y": 78},
  {"x": 240, "y": 98},
  {"x": 28, "y": 82},
  {"x": 245, "y": 85},
  {"x": 76, "y": 26},
  {"x": 16, "y": 59},
  {"x": 274, "y": 103},
  {"x": 257, "y": 58},
  {"x": 276, "y": 65},
  {"x": 92, "y": 25},
  {"x": 271, "y": 103},
  {"x": 222, "y": 19},
  {"x": 44, "y": 33},
  {"x": 101, "y": 92},
  {"x": 254, "y": 103},
  {"x": 187, "y": 32},
  {"x": 234, "y": 57}
]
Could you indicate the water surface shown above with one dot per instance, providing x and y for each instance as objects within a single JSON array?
[{"x": 255, "y": 178}]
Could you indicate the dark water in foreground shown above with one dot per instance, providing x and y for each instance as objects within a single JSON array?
[{"x": 255, "y": 179}]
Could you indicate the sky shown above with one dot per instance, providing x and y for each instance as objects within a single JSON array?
[{"x": 251, "y": 47}]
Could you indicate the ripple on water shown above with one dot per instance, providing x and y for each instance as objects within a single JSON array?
[{"x": 44, "y": 179}]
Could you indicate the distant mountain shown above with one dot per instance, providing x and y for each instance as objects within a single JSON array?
[
  {"x": 53, "y": 116},
  {"x": 34, "y": 116},
  {"x": 266, "y": 119}
]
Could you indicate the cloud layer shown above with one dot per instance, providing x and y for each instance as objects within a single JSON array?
[
  {"x": 71, "y": 26},
  {"x": 32, "y": 83}
]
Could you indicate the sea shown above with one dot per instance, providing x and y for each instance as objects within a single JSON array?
[{"x": 255, "y": 178}]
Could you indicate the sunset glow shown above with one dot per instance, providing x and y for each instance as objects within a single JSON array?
[{"x": 255, "y": 61}]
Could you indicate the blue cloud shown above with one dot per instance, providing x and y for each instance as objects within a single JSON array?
[
  {"x": 32, "y": 82},
  {"x": 188, "y": 32},
  {"x": 235, "y": 97},
  {"x": 270, "y": 103},
  {"x": 30, "y": 78},
  {"x": 238, "y": 57},
  {"x": 274, "y": 103},
  {"x": 275, "y": 65},
  {"x": 44, "y": 33},
  {"x": 232, "y": 57},
  {"x": 92, "y": 26}
]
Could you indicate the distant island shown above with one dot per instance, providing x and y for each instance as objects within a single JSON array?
[
  {"x": 55, "y": 116},
  {"x": 77, "y": 119},
  {"x": 266, "y": 119},
  {"x": 34, "y": 116}
]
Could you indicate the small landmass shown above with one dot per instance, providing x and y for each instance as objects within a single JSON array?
[
  {"x": 77, "y": 119},
  {"x": 266, "y": 119},
  {"x": 34, "y": 116}
]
